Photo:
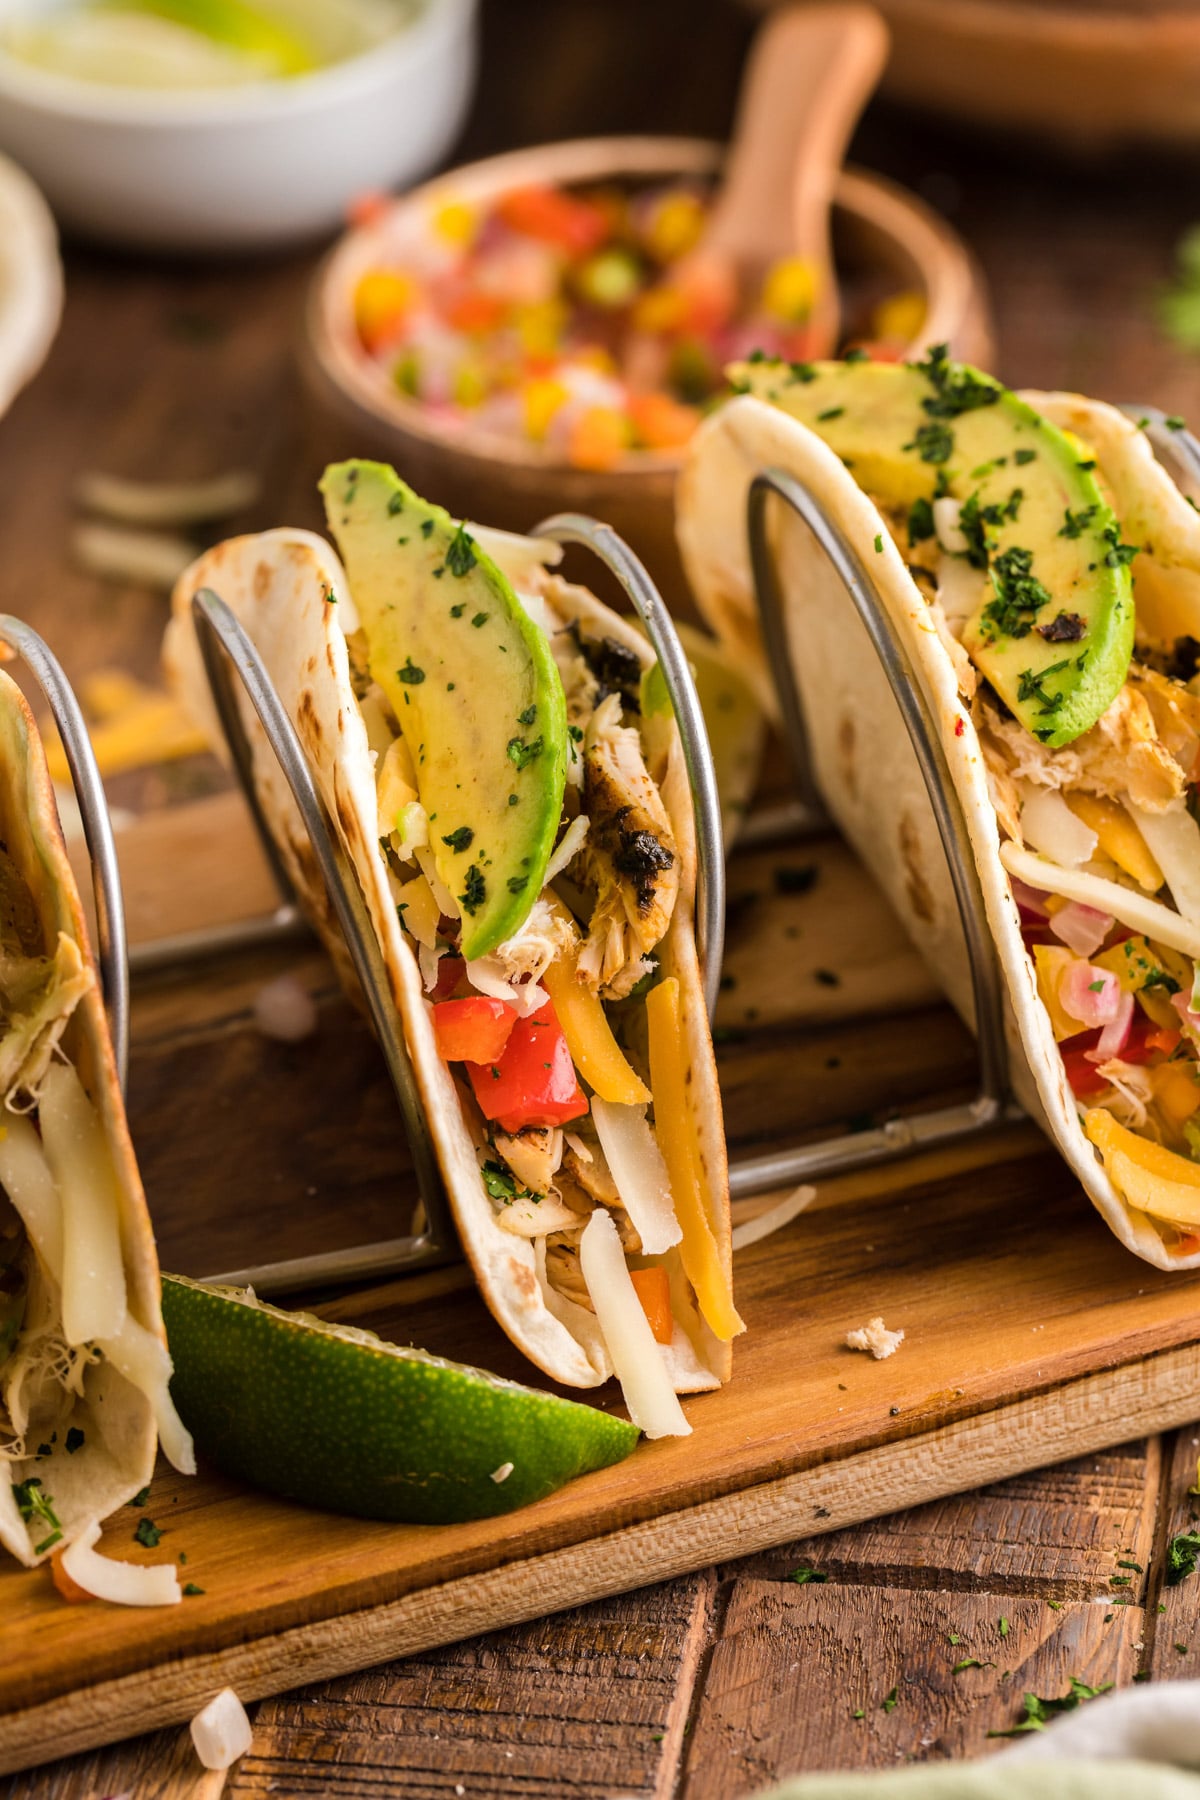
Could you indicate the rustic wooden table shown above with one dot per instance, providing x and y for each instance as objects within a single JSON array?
[{"x": 712, "y": 1685}]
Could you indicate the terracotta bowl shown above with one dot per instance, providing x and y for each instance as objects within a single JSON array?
[{"x": 885, "y": 241}]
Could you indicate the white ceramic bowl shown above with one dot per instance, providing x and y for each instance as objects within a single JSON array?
[
  {"x": 31, "y": 283},
  {"x": 241, "y": 168}
]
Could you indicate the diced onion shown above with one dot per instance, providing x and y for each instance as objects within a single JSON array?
[
  {"x": 1050, "y": 825},
  {"x": 144, "y": 1360},
  {"x": 125, "y": 1584},
  {"x": 569, "y": 847},
  {"x": 1115, "y": 1035},
  {"x": 1173, "y": 839},
  {"x": 950, "y": 534},
  {"x": 93, "y": 1273},
  {"x": 1027, "y": 898},
  {"x": 959, "y": 589},
  {"x": 639, "y": 1171},
  {"x": 1082, "y": 928},
  {"x": 26, "y": 1178},
  {"x": 1089, "y": 994},
  {"x": 652, "y": 1401},
  {"x": 1136, "y": 910},
  {"x": 221, "y": 1732}
]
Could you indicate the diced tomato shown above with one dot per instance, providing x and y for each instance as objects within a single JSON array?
[
  {"x": 1145, "y": 1039},
  {"x": 533, "y": 1082},
  {"x": 1084, "y": 1077},
  {"x": 475, "y": 312},
  {"x": 475, "y": 1030},
  {"x": 450, "y": 973},
  {"x": 69, "y": 1589},
  {"x": 654, "y": 1291},
  {"x": 1164, "y": 1040},
  {"x": 553, "y": 217},
  {"x": 365, "y": 209}
]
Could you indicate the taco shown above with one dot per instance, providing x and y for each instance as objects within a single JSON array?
[
  {"x": 1042, "y": 571},
  {"x": 499, "y": 756},
  {"x": 83, "y": 1360}
]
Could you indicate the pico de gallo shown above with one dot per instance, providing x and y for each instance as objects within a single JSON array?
[{"x": 574, "y": 318}]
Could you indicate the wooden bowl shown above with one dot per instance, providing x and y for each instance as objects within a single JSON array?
[{"x": 883, "y": 237}]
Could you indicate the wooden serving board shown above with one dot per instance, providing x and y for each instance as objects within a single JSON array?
[{"x": 1030, "y": 1334}]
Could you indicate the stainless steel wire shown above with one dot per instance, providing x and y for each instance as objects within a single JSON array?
[{"x": 111, "y": 947}]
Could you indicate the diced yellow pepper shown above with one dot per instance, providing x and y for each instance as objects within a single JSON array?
[
  {"x": 899, "y": 318},
  {"x": 381, "y": 299},
  {"x": 675, "y": 226},
  {"x": 153, "y": 730},
  {"x": 456, "y": 223},
  {"x": 1150, "y": 1177},
  {"x": 1051, "y": 964},
  {"x": 790, "y": 289},
  {"x": 1119, "y": 837},
  {"x": 1176, "y": 1093},
  {"x": 542, "y": 399},
  {"x": 661, "y": 308},
  {"x": 1134, "y": 963},
  {"x": 594, "y": 1050},
  {"x": 540, "y": 325},
  {"x": 676, "y": 1132}
]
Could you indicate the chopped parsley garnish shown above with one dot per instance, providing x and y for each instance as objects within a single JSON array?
[
  {"x": 191, "y": 1590},
  {"x": 1037, "y": 1712},
  {"x": 33, "y": 1504},
  {"x": 957, "y": 389},
  {"x": 475, "y": 892},
  {"x": 575, "y": 733},
  {"x": 74, "y": 1440},
  {"x": 1087, "y": 463},
  {"x": 802, "y": 371},
  {"x": 1119, "y": 555},
  {"x": 856, "y": 355},
  {"x": 410, "y": 675},
  {"x": 141, "y": 1497},
  {"x": 460, "y": 556},
  {"x": 330, "y": 597},
  {"x": 974, "y": 519},
  {"x": 920, "y": 521},
  {"x": 480, "y": 619},
  {"x": 456, "y": 612},
  {"x": 1077, "y": 522},
  {"x": 970, "y": 1662},
  {"x": 831, "y": 412},
  {"x": 395, "y": 505},
  {"x": 1029, "y": 687},
  {"x": 1021, "y": 457},
  {"x": 426, "y": 527},
  {"x": 879, "y": 543},
  {"x": 933, "y": 443},
  {"x": 517, "y": 884},
  {"x": 803, "y": 1576},
  {"x": 1018, "y": 594},
  {"x": 889, "y": 1703},
  {"x": 460, "y": 840},
  {"x": 148, "y": 1534},
  {"x": 501, "y": 1183},
  {"x": 522, "y": 753},
  {"x": 1175, "y": 423},
  {"x": 1182, "y": 1554},
  {"x": 1003, "y": 1627},
  {"x": 528, "y": 716},
  {"x": 1063, "y": 628}
]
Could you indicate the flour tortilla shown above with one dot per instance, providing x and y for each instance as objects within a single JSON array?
[
  {"x": 276, "y": 583},
  {"x": 116, "y": 1458},
  {"x": 864, "y": 764},
  {"x": 31, "y": 284}
]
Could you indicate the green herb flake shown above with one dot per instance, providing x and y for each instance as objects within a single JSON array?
[
  {"x": 858, "y": 1713},
  {"x": 879, "y": 543},
  {"x": 460, "y": 553},
  {"x": 395, "y": 505},
  {"x": 528, "y": 716},
  {"x": 1003, "y": 1626},
  {"x": 1077, "y": 522},
  {"x": 33, "y": 1503},
  {"x": 191, "y": 1590},
  {"x": 802, "y": 371},
  {"x": 331, "y": 598},
  {"x": 831, "y": 412},
  {"x": 970, "y": 1662},
  {"x": 147, "y": 1533},
  {"x": 803, "y": 1576},
  {"x": 934, "y": 443},
  {"x": 521, "y": 753},
  {"x": 920, "y": 521},
  {"x": 1038, "y": 1712},
  {"x": 1182, "y": 1554},
  {"x": 426, "y": 527},
  {"x": 1121, "y": 1563},
  {"x": 456, "y": 612},
  {"x": 953, "y": 1637},
  {"x": 1021, "y": 457},
  {"x": 1019, "y": 594},
  {"x": 141, "y": 1497},
  {"x": 459, "y": 840},
  {"x": 480, "y": 618},
  {"x": 1174, "y": 422},
  {"x": 475, "y": 891},
  {"x": 410, "y": 675},
  {"x": 890, "y": 1702}
]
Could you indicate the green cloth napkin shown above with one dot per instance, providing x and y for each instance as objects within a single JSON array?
[{"x": 999, "y": 1779}]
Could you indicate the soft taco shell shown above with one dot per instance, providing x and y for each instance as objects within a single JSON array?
[
  {"x": 116, "y": 1457},
  {"x": 276, "y": 583},
  {"x": 864, "y": 764}
]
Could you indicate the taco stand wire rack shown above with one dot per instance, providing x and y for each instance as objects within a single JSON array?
[{"x": 229, "y": 654}]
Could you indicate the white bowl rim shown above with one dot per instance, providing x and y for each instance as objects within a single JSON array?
[{"x": 67, "y": 97}]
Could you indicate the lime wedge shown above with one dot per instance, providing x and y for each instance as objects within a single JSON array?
[{"x": 338, "y": 1418}]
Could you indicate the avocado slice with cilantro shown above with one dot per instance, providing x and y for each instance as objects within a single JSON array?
[
  {"x": 1053, "y": 632},
  {"x": 471, "y": 679}
]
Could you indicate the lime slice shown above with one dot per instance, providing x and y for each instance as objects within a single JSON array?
[
  {"x": 338, "y": 1418},
  {"x": 736, "y": 727}
]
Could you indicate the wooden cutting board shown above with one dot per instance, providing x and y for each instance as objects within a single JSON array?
[{"x": 1030, "y": 1334}]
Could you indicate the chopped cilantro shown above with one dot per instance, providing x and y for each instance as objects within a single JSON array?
[
  {"x": 1077, "y": 522},
  {"x": 498, "y": 1181},
  {"x": 1136, "y": 1566},
  {"x": 480, "y": 619},
  {"x": 890, "y": 1700},
  {"x": 879, "y": 543},
  {"x": 1037, "y": 1712},
  {"x": 191, "y": 1590},
  {"x": 460, "y": 554},
  {"x": 970, "y": 1662},
  {"x": 475, "y": 892},
  {"x": 517, "y": 884},
  {"x": 802, "y": 371},
  {"x": 459, "y": 840},
  {"x": 528, "y": 716},
  {"x": 831, "y": 412},
  {"x": 933, "y": 443},
  {"x": 1030, "y": 687},
  {"x": 141, "y": 1497},
  {"x": 802, "y": 1577},
  {"x": 953, "y": 1637},
  {"x": 1018, "y": 593},
  {"x": 1119, "y": 555},
  {"x": 1003, "y": 1627},
  {"x": 410, "y": 675},
  {"x": 395, "y": 505},
  {"x": 521, "y": 753},
  {"x": 426, "y": 527},
  {"x": 920, "y": 521},
  {"x": 957, "y": 388},
  {"x": 1021, "y": 457},
  {"x": 1182, "y": 1554},
  {"x": 330, "y": 597},
  {"x": 34, "y": 1504},
  {"x": 456, "y": 612},
  {"x": 147, "y": 1533}
]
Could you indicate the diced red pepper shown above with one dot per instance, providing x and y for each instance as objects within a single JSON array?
[
  {"x": 475, "y": 1030},
  {"x": 1145, "y": 1038},
  {"x": 553, "y": 217},
  {"x": 534, "y": 1081},
  {"x": 1084, "y": 1077},
  {"x": 475, "y": 312}
]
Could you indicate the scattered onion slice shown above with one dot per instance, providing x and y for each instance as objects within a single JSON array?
[
  {"x": 1050, "y": 826},
  {"x": 1093, "y": 996},
  {"x": 1173, "y": 839},
  {"x": 652, "y": 1401},
  {"x": 950, "y": 534},
  {"x": 1082, "y": 928},
  {"x": 1027, "y": 898},
  {"x": 1115, "y": 1035},
  {"x": 639, "y": 1171},
  {"x": 125, "y": 1584},
  {"x": 221, "y": 1731}
]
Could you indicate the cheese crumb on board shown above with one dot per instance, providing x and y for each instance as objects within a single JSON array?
[{"x": 876, "y": 1338}]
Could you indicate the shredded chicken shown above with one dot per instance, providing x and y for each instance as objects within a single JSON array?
[
  {"x": 523, "y": 959},
  {"x": 591, "y": 1171},
  {"x": 876, "y": 1338},
  {"x": 563, "y": 1271},
  {"x": 533, "y": 1154},
  {"x": 629, "y": 861},
  {"x": 535, "y": 1215},
  {"x": 1133, "y": 1090},
  {"x": 1122, "y": 754}
]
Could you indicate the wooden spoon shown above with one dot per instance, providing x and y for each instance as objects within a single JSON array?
[{"x": 810, "y": 72}]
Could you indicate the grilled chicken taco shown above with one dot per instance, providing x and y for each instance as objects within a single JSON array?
[
  {"x": 498, "y": 754},
  {"x": 1043, "y": 572},
  {"x": 83, "y": 1361}
]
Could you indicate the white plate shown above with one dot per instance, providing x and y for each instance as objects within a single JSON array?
[{"x": 31, "y": 283}]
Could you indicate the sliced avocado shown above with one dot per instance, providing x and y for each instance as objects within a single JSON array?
[
  {"x": 1054, "y": 631},
  {"x": 473, "y": 684}
]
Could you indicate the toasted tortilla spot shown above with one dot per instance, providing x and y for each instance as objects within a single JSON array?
[
  {"x": 262, "y": 581},
  {"x": 916, "y": 885},
  {"x": 846, "y": 740}
]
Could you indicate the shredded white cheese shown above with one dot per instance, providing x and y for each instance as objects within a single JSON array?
[
  {"x": 876, "y": 1338},
  {"x": 503, "y": 1472}
]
